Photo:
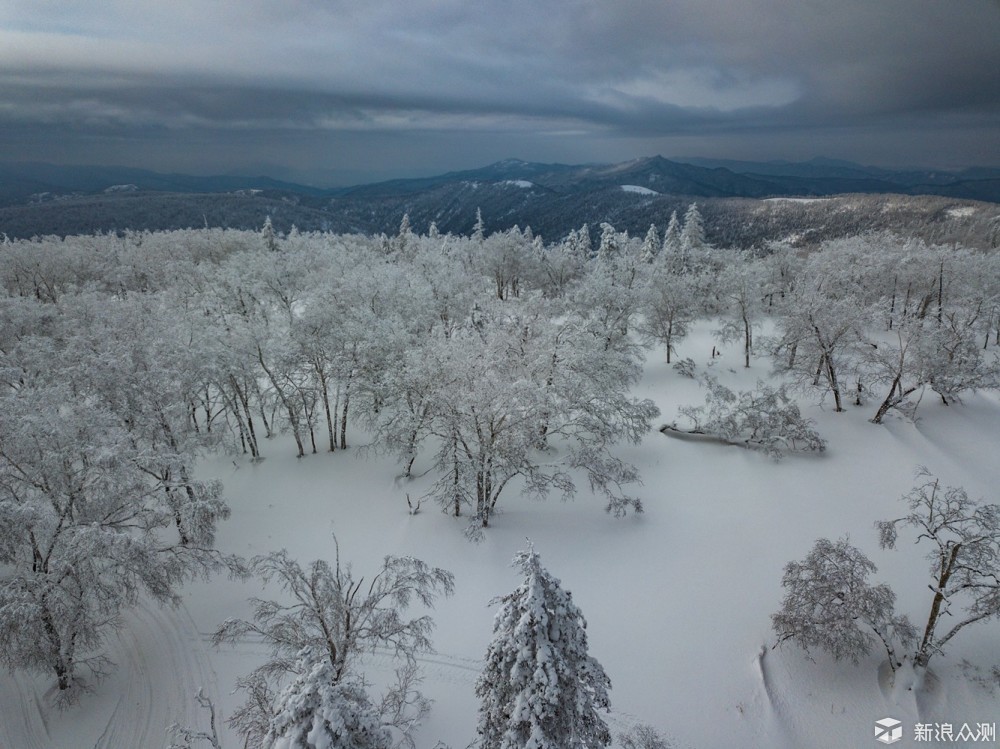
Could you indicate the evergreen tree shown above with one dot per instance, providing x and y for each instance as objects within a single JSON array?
[
  {"x": 479, "y": 230},
  {"x": 650, "y": 245},
  {"x": 693, "y": 234},
  {"x": 269, "y": 236},
  {"x": 672, "y": 236},
  {"x": 540, "y": 689},
  {"x": 610, "y": 246}
]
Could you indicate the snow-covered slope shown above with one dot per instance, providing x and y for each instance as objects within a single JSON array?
[{"x": 678, "y": 599}]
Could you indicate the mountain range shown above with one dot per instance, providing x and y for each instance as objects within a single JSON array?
[{"x": 40, "y": 198}]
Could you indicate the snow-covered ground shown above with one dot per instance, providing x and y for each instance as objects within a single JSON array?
[
  {"x": 796, "y": 200},
  {"x": 639, "y": 189},
  {"x": 961, "y": 211},
  {"x": 678, "y": 599}
]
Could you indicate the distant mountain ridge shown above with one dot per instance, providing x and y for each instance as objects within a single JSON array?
[
  {"x": 40, "y": 199},
  {"x": 716, "y": 178},
  {"x": 696, "y": 177},
  {"x": 20, "y": 181}
]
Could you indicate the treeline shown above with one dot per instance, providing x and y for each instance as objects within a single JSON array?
[{"x": 729, "y": 222}]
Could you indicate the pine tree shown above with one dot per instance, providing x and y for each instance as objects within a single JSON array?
[
  {"x": 651, "y": 245},
  {"x": 693, "y": 234},
  {"x": 269, "y": 236},
  {"x": 479, "y": 230},
  {"x": 672, "y": 236},
  {"x": 609, "y": 247},
  {"x": 540, "y": 689}
]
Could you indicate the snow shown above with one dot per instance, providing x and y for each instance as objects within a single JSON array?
[
  {"x": 518, "y": 183},
  {"x": 639, "y": 189},
  {"x": 961, "y": 212},
  {"x": 677, "y": 599},
  {"x": 796, "y": 200}
]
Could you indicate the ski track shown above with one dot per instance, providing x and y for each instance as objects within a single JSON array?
[
  {"x": 161, "y": 642},
  {"x": 23, "y": 715},
  {"x": 160, "y": 664}
]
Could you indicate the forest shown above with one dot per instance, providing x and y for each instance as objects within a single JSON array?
[{"x": 484, "y": 369}]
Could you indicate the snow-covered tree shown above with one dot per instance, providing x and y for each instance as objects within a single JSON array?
[
  {"x": 765, "y": 418},
  {"x": 506, "y": 383},
  {"x": 650, "y": 245},
  {"x": 740, "y": 290},
  {"x": 955, "y": 362},
  {"x": 316, "y": 710},
  {"x": 338, "y": 617},
  {"x": 609, "y": 295},
  {"x": 564, "y": 263},
  {"x": 964, "y": 536},
  {"x": 98, "y": 506},
  {"x": 612, "y": 243},
  {"x": 692, "y": 239},
  {"x": 668, "y": 306},
  {"x": 672, "y": 244},
  {"x": 816, "y": 340},
  {"x": 643, "y": 736},
  {"x": 507, "y": 259},
  {"x": 829, "y": 604},
  {"x": 479, "y": 229},
  {"x": 268, "y": 236},
  {"x": 540, "y": 687},
  {"x": 83, "y": 532}
]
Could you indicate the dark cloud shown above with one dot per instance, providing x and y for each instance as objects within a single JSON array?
[{"x": 431, "y": 83}]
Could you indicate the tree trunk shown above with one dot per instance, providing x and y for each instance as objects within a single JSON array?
[
  {"x": 940, "y": 299},
  {"x": 892, "y": 304},
  {"x": 63, "y": 665},
  {"x": 325, "y": 390},
  {"x": 268, "y": 432},
  {"x": 831, "y": 375},
  {"x": 947, "y": 566},
  {"x": 748, "y": 341},
  {"x": 293, "y": 417},
  {"x": 343, "y": 414},
  {"x": 892, "y": 400}
]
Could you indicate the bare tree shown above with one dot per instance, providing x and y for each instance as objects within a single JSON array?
[{"x": 965, "y": 558}]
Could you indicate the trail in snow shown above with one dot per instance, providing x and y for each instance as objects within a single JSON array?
[
  {"x": 23, "y": 725},
  {"x": 160, "y": 665},
  {"x": 165, "y": 664}
]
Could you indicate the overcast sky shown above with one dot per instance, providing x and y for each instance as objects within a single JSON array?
[{"x": 339, "y": 91}]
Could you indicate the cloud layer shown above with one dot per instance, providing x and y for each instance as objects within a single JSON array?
[{"x": 331, "y": 84}]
